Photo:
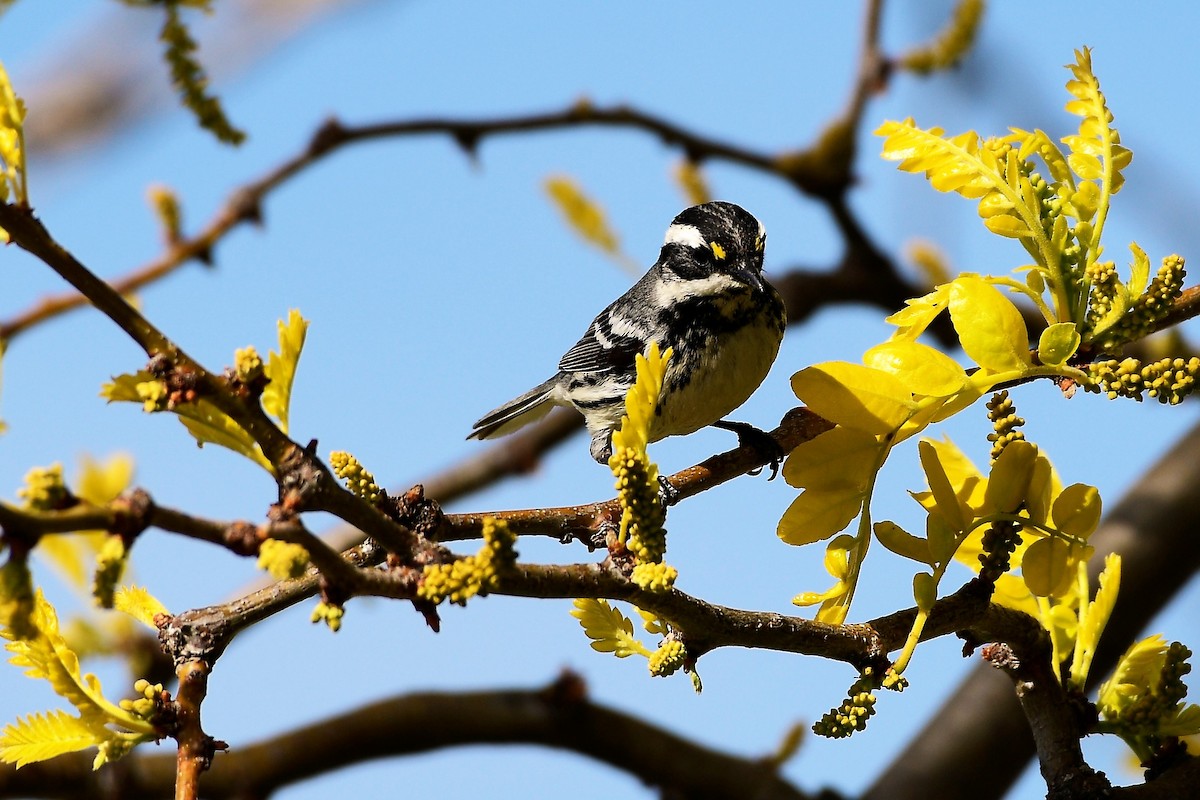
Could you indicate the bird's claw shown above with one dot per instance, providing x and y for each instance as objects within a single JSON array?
[{"x": 760, "y": 440}]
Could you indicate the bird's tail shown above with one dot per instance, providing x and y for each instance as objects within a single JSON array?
[{"x": 517, "y": 413}]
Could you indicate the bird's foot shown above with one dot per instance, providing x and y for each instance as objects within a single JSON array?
[{"x": 760, "y": 440}]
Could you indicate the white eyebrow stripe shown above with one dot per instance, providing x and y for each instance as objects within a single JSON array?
[{"x": 686, "y": 235}]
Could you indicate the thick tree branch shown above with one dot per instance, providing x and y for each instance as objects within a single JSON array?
[{"x": 559, "y": 716}]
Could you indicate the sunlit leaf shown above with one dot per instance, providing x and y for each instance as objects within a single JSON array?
[
  {"x": 1057, "y": 343},
  {"x": 990, "y": 328},
  {"x": 901, "y": 542},
  {"x": 818, "y": 514},
  {"x": 922, "y": 369},
  {"x": 281, "y": 367},
  {"x": 854, "y": 396},
  {"x": 841, "y": 457},
  {"x": 1008, "y": 482},
  {"x": 1076, "y": 511},
  {"x": 1047, "y": 566}
]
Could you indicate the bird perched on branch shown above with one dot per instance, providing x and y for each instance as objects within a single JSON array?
[{"x": 707, "y": 299}]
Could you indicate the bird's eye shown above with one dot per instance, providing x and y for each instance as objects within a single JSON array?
[{"x": 718, "y": 251}]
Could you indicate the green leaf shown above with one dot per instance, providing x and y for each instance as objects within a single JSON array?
[
  {"x": 901, "y": 542},
  {"x": 40, "y": 737},
  {"x": 854, "y": 396},
  {"x": 818, "y": 514},
  {"x": 922, "y": 369},
  {"x": 1057, "y": 343},
  {"x": 1076, "y": 512},
  {"x": 1046, "y": 566},
  {"x": 989, "y": 326},
  {"x": 281, "y": 367},
  {"x": 924, "y": 591},
  {"x": 841, "y": 457}
]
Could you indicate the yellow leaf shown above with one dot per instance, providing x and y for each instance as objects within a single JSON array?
[
  {"x": 901, "y": 542},
  {"x": 945, "y": 498},
  {"x": 1093, "y": 617},
  {"x": 818, "y": 514},
  {"x": 1042, "y": 482},
  {"x": 1008, "y": 483},
  {"x": 1076, "y": 512},
  {"x": 952, "y": 164},
  {"x": 1057, "y": 343},
  {"x": 210, "y": 425},
  {"x": 943, "y": 539},
  {"x": 989, "y": 326},
  {"x": 609, "y": 629},
  {"x": 1046, "y": 566},
  {"x": 918, "y": 313},
  {"x": 39, "y": 737},
  {"x": 854, "y": 396},
  {"x": 1008, "y": 225},
  {"x": 281, "y": 367},
  {"x": 841, "y": 457},
  {"x": 922, "y": 369},
  {"x": 137, "y": 602},
  {"x": 583, "y": 214}
]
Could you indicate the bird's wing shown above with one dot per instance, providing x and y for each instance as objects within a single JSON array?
[{"x": 602, "y": 349}]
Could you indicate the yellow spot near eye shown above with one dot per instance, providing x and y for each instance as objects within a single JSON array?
[
  {"x": 759, "y": 242},
  {"x": 718, "y": 251}
]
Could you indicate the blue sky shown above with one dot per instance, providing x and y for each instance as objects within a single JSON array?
[{"x": 438, "y": 287}]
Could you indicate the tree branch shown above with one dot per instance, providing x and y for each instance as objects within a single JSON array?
[{"x": 559, "y": 716}]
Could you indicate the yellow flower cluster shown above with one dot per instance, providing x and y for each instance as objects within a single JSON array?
[
  {"x": 1168, "y": 380},
  {"x": 950, "y": 44},
  {"x": 654, "y": 576},
  {"x": 356, "y": 477},
  {"x": 668, "y": 658},
  {"x": 642, "y": 512},
  {"x": 330, "y": 614},
  {"x": 859, "y": 705},
  {"x": 247, "y": 365},
  {"x": 44, "y": 489},
  {"x": 110, "y": 565},
  {"x": 147, "y": 705},
  {"x": 281, "y": 559},
  {"x": 461, "y": 580},
  {"x": 1003, "y": 415}
]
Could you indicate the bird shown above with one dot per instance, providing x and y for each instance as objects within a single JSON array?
[{"x": 707, "y": 299}]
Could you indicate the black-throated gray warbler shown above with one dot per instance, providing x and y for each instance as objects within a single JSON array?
[{"x": 706, "y": 298}]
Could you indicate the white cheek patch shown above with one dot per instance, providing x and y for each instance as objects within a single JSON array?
[
  {"x": 686, "y": 235},
  {"x": 667, "y": 293}
]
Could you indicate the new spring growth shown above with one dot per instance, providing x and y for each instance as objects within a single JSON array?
[
  {"x": 356, "y": 477},
  {"x": 950, "y": 44},
  {"x": 466, "y": 577},
  {"x": 1169, "y": 380},
  {"x": 282, "y": 560},
  {"x": 330, "y": 614},
  {"x": 642, "y": 512},
  {"x": 859, "y": 705},
  {"x": 44, "y": 489},
  {"x": 668, "y": 658},
  {"x": 110, "y": 566}
]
